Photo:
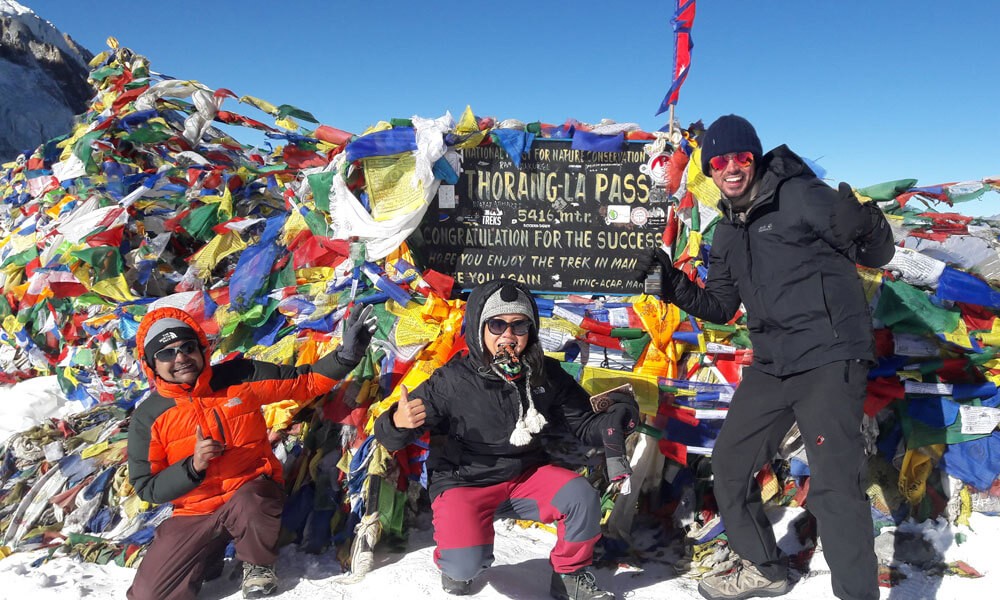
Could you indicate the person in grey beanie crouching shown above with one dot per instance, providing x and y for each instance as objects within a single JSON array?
[{"x": 485, "y": 411}]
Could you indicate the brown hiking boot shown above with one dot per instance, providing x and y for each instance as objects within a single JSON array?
[
  {"x": 743, "y": 581},
  {"x": 259, "y": 580}
]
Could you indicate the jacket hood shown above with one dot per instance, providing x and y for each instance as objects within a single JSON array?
[
  {"x": 776, "y": 167},
  {"x": 474, "y": 310},
  {"x": 781, "y": 164},
  {"x": 165, "y": 388}
]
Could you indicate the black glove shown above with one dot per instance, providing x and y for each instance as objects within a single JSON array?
[
  {"x": 358, "y": 330},
  {"x": 645, "y": 264},
  {"x": 661, "y": 281},
  {"x": 847, "y": 220},
  {"x": 865, "y": 226},
  {"x": 621, "y": 419}
]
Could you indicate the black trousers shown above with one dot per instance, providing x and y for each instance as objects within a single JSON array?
[{"x": 827, "y": 402}]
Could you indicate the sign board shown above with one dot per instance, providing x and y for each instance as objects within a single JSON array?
[{"x": 565, "y": 221}]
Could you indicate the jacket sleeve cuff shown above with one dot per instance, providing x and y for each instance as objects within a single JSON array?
[
  {"x": 335, "y": 365},
  {"x": 390, "y": 436},
  {"x": 193, "y": 475}
]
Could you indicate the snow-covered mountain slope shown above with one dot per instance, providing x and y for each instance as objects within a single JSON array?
[{"x": 43, "y": 80}]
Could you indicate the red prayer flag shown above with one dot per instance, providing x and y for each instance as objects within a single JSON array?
[{"x": 682, "y": 21}]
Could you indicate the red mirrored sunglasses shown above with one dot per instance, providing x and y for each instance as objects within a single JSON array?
[{"x": 742, "y": 159}]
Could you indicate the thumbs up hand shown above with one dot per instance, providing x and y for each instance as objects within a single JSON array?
[
  {"x": 410, "y": 414},
  {"x": 205, "y": 451}
]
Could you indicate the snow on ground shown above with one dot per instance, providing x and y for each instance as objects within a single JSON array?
[
  {"x": 521, "y": 572},
  {"x": 31, "y": 402}
]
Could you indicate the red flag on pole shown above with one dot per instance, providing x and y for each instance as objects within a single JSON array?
[{"x": 682, "y": 21}]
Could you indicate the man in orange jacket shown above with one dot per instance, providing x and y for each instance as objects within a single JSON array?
[{"x": 201, "y": 442}]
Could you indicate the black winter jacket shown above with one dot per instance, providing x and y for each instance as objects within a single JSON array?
[
  {"x": 791, "y": 263},
  {"x": 471, "y": 413}
]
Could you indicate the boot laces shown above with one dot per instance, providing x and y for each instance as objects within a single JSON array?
[
  {"x": 587, "y": 580},
  {"x": 737, "y": 570},
  {"x": 254, "y": 571}
]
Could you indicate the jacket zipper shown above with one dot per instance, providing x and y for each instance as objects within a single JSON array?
[{"x": 826, "y": 307}]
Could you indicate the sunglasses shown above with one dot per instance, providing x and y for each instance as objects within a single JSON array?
[
  {"x": 742, "y": 159},
  {"x": 170, "y": 354},
  {"x": 498, "y": 326}
]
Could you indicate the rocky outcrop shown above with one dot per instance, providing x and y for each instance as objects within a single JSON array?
[{"x": 43, "y": 80}]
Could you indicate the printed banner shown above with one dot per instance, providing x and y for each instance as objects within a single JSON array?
[{"x": 565, "y": 221}]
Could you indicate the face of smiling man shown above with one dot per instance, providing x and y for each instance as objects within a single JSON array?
[
  {"x": 734, "y": 180},
  {"x": 175, "y": 365}
]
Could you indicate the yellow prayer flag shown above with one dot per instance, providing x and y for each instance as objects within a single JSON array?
[
  {"x": 287, "y": 124},
  {"x": 700, "y": 184},
  {"x": 115, "y": 288},
  {"x": 392, "y": 188},
  {"x": 281, "y": 353},
  {"x": 219, "y": 247},
  {"x": 94, "y": 449},
  {"x": 263, "y": 105},
  {"x": 294, "y": 225},
  {"x": 467, "y": 125},
  {"x": 959, "y": 336},
  {"x": 278, "y": 415},
  {"x": 596, "y": 380},
  {"x": 917, "y": 466}
]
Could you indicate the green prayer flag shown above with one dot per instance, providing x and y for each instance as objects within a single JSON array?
[
  {"x": 888, "y": 190},
  {"x": 200, "y": 221},
  {"x": 317, "y": 223},
  {"x": 636, "y": 346},
  {"x": 104, "y": 260},
  {"x": 904, "y": 308},
  {"x": 320, "y": 184},
  {"x": 287, "y": 110},
  {"x": 21, "y": 258},
  {"x": 105, "y": 72}
]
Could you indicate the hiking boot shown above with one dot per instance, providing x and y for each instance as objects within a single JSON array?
[
  {"x": 743, "y": 581},
  {"x": 456, "y": 587},
  {"x": 259, "y": 580},
  {"x": 581, "y": 585}
]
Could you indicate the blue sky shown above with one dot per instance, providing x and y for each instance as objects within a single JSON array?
[{"x": 875, "y": 90}]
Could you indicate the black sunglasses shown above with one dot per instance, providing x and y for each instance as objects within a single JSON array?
[
  {"x": 170, "y": 354},
  {"x": 498, "y": 326}
]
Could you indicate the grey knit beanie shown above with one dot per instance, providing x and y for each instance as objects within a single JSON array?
[
  {"x": 508, "y": 300},
  {"x": 165, "y": 332}
]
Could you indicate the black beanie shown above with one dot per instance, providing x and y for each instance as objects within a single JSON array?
[{"x": 729, "y": 133}]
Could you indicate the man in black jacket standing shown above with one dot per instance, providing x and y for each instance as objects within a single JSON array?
[{"x": 786, "y": 249}]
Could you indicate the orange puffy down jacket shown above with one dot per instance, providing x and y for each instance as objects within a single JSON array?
[{"x": 226, "y": 402}]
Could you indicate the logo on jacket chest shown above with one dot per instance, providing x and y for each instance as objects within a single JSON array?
[
  {"x": 234, "y": 401},
  {"x": 538, "y": 390},
  {"x": 765, "y": 227}
]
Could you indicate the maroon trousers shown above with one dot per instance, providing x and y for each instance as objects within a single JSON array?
[
  {"x": 174, "y": 565},
  {"x": 463, "y": 519}
]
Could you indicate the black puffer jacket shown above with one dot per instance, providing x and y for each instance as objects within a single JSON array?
[
  {"x": 471, "y": 413},
  {"x": 792, "y": 265}
]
